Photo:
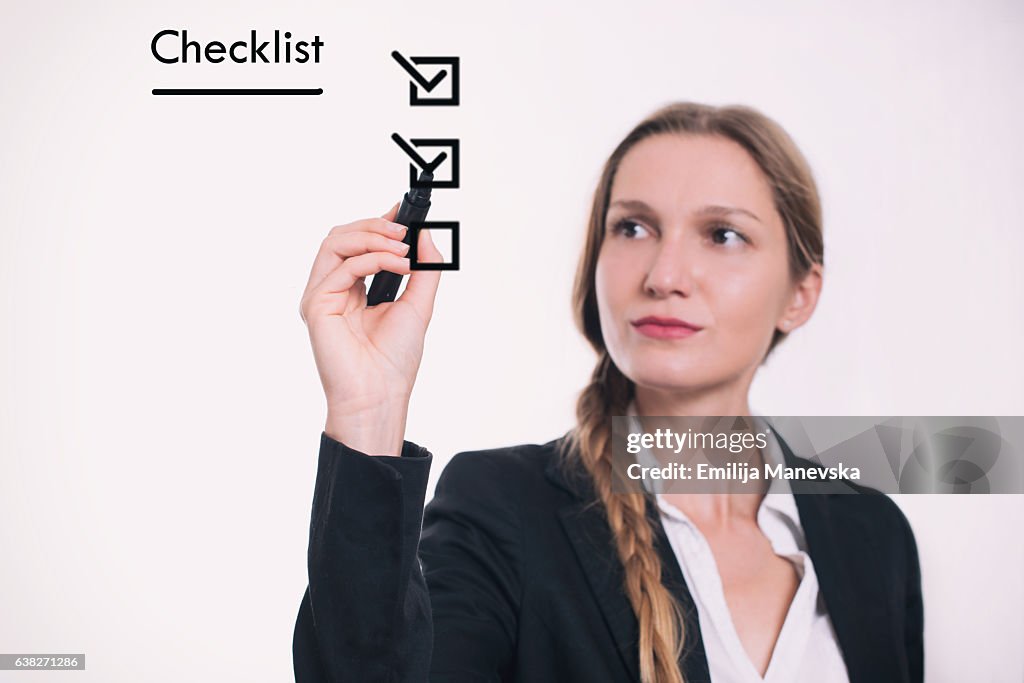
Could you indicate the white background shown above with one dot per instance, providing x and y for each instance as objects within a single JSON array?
[{"x": 159, "y": 407}]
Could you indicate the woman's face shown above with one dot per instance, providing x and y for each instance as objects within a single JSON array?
[{"x": 692, "y": 234}]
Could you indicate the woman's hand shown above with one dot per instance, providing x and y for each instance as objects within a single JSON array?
[{"x": 367, "y": 358}]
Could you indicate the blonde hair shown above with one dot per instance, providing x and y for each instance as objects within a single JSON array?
[{"x": 796, "y": 199}]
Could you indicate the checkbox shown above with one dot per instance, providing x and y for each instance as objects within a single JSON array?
[
  {"x": 449, "y": 150},
  {"x": 416, "y": 226},
  {"x": 431, "y": 87}
]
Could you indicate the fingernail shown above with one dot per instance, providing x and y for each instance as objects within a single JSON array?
[
  {"x": 397, "y": 227},
  {"x": 400, "y": 246}
]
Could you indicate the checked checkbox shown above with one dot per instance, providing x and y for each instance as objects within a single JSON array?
[
  {"x": 447, "y": 87},
  {"x": 449, "y": 150}
]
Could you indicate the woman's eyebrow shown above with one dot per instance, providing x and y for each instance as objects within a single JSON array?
[
  {"x": 709, "y": 210},
  {"x": 632, "y": 205},
  {"x": 718, "y": 210}
]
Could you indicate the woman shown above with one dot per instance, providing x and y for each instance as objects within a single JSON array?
[{"x": 704, "y": 250}]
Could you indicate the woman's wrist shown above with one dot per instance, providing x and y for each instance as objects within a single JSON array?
[{"x": 380, "y": 432}]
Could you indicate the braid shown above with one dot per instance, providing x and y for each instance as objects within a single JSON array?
[{"x": 659, "y": 616}]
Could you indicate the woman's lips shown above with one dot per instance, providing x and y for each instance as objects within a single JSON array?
[{"x": 665, "y": 328}]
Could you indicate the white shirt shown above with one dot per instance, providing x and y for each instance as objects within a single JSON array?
[{"x": 806, "y": 650}]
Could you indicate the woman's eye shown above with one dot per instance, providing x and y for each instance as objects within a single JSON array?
[
  {"x": 630, "y": 229},
  {"x": 723, "y": 234}
]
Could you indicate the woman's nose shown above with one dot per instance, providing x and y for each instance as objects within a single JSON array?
[{"x": 671, "y": 272}]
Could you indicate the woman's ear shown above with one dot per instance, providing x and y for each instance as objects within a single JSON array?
[{"x": 803, "y": 300}]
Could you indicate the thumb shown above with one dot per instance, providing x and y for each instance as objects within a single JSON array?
[{"x": 422, "y": 288}]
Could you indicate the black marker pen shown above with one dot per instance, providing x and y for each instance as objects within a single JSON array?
[{"x": 415, "y": 205}]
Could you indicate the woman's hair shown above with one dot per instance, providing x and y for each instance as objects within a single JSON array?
[{"x": 609, "y": 392}]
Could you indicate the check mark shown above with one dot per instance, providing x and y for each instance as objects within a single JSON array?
[
  {"x": 416, "y": 75},
  {"x": 414, "y": 155}
]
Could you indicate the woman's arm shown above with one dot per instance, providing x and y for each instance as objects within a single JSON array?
[{"x": 366, "y": 613}]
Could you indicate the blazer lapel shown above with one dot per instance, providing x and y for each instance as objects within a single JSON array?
[{"x": 592, "y": 541}]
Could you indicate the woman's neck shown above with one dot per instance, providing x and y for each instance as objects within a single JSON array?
[
  {"x": 714, "y": 509},
  {"x": 724, "y": 400}
]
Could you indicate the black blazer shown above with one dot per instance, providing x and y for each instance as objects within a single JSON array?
[{"x": 525, "y": 583}]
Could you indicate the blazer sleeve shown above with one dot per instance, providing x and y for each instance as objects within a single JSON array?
[
  {"x": 439, "y": 603},
  {"x": 365, "y": 614}
]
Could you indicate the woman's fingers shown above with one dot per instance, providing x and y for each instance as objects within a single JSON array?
[
  {"x": 324, "y": 261},
  {"x": 382, "y": 225},
  {"x": 356, "y": 296},
  {"x": 332, "y": 295},
  {"x": 355, "y": 250},
  {"x": 422, "y": 288},
  {"x": 337, "y": 247}
]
